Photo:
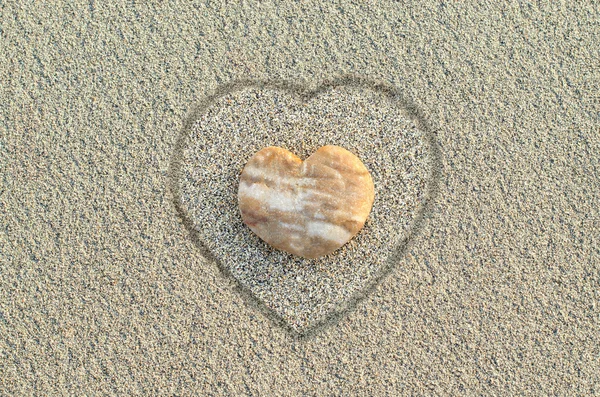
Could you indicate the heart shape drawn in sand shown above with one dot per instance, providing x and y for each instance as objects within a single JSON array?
[
  {"x": 369, "y": 119},
  {"x": 308, "y": 208}
]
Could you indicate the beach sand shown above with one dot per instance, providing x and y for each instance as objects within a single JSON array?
[
  {"x": 125, "y": 270},
  {"x": 376, "y": 124}
]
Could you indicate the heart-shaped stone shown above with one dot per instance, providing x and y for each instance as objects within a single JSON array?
[
  {"x": 309, "y": 208},
  {"x": 238, "y": 120}
]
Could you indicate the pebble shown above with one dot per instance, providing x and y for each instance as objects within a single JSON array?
[{"x": 311, "y": 208}]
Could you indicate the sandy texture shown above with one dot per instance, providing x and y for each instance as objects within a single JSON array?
[
  {"x": 103, "y": 290},
  {"x": 245, "y": 118}
]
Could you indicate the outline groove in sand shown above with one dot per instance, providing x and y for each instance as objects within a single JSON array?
[{"x": 306, "y": 94}]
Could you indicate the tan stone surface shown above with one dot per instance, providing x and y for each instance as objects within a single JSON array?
[{"x": 309, "y": 208}]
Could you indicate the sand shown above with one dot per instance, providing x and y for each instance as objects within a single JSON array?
[
  {"x": 106, "y": 285},
  {"x": 373, "y": 122}
]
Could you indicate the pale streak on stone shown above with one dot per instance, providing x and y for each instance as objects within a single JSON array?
[
  {"x": 308, "y": 208},
  {"x": 255, "y": 172},
  {"x": 328, "y": 231},
  {"x": 291, "y": 226},
  {"x": 276, "y": 200}
]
